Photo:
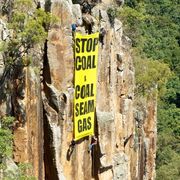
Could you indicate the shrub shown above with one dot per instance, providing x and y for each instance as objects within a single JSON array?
[
  {"x": 151, "y": 76},
  {"x": 112, "y": 14},
  {"x": 27, "y": 28}
]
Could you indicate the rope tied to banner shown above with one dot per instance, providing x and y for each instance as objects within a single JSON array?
[{"x": 85, "y": 84}]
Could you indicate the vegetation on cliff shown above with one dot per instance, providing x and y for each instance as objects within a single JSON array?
[
  {"x": 154, "y": 29},
  {"x": 6, "y": 137},
  {"x": 27, "y": 29}
]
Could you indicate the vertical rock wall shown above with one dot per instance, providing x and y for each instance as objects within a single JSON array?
[
  {"x": 145, "y": 115},
  {"x": 21, "y": 97},
  {"x": 42, "y": 102}
]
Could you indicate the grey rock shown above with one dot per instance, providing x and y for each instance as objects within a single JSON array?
[
  {"x": 120, "y": 166},
  {"x": 120, "y": 158},
  {"x": 4, "y": 32},
  {"x": 77, "y": 14},
  {"x": 117, "y": 25},
  {"x": 104, "y": 15},
  {"x": 126, "y": 41},
  {"x": 104, "y": 116},
  {"x": 139, "y": 115},
  {"x": 11, "y": 170},
  {"x": 125, "y": 106}
]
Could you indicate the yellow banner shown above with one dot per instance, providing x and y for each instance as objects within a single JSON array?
[{"x": 86, "y": 57}]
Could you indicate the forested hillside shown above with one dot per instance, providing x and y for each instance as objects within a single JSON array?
[{"x": 154, "y": 28}]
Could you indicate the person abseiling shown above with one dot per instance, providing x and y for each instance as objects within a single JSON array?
[
  {"x": 93, "y": 142},
  {"x": 73, "y": 27}
]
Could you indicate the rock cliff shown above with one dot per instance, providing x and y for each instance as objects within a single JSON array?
[{"x": 40, "y": 96}]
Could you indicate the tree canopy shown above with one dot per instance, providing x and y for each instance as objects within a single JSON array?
[{"x": 154, "y": 27}]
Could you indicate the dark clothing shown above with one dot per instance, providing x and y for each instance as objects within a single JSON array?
[
  {"x": 102, "y": 33},
  {"x": 94, "y": 141},
  {"x": 73, "y": 143}
]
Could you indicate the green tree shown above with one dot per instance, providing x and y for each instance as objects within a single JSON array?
[
  {"x": 154, "y": 27},
  {"x": 6, "y": 137},
  {"x": 28, "y": 27},
  {"x": 151, "y": 76}
]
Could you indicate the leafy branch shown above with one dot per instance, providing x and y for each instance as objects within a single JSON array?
[{"x": 27, "y": 28}]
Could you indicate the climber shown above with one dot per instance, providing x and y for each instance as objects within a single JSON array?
[
  {"x": 93, "y": 142},
  {"x": 102, "y": 33},
  {"x": 70, "y": 149},
  {"x": 73, "y": 27},
  {"x": 72, "y": 145}
]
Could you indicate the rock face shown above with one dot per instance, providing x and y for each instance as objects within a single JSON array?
[{"x": 42, "y": 102}]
